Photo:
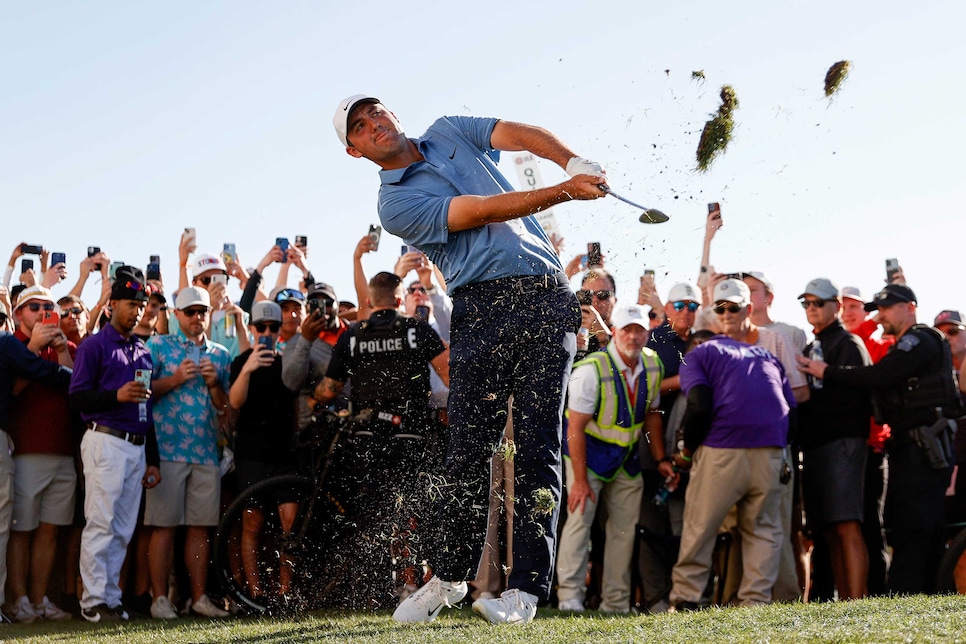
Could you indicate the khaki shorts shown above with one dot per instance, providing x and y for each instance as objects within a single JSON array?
[
  {"x": 188, "y": 494},
  {"x": 43, "y": 490}
]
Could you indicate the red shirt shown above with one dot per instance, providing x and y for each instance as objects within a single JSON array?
[{"x": 40, "y": 416}]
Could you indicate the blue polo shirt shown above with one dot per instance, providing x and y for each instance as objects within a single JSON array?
[{"x": 414, "y": 205}]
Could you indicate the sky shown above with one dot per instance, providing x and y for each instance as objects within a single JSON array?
[{"x": 124, "y": 123}]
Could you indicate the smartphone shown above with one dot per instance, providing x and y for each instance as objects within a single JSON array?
[
  {"x": 219, "y": 279},
  {"x": 584, "y": 297},
  {"x": 112, "y": 269},
  {"x": 593, "y": 254},
  {"x": 892, "y": 268},
  {"x": 50, "y": 317},
  {"x": 194, "y": 354},
  {"x": 735, "y": 276},
  {"x": 154, "y": 259},
  {"x": 190, "y": 235},
  {"x": 91, "y": 251},
  {"x": 301, "y": 241},
  {"x": 29, "y": 249},
  {"x": 282, "y": 242},
  {"x": 375, "y": 233},
  {"x": 26, "y": 265},
  {"x": 58, "y": 258},
  {"x": 649, "y": 271},
  {"x": 267, "y": 341},
  {"x": 229, "y": 254},
  {"x": 422, "y": 313},
  {"x": 143, "y": 376},
  {"x": 405, "y": 249},
  {"x": 154, "y": 271},
  {"x": 714, "y": 206}
]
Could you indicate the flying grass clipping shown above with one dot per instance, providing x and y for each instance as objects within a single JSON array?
[
  {"x": 717, "y": 132},
  {"x": 835, "y": 76}
]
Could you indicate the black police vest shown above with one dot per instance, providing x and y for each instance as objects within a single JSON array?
[
  {"x": 914, "y": 401},
  {"x": 389, "y": 373}
]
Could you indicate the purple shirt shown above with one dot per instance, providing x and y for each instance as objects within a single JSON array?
[
  {"x": 750, "y": 393},
  {"x": 106, "y": 362}
]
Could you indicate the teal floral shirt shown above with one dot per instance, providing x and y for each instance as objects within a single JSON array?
[{"x": 185, "y": 420}]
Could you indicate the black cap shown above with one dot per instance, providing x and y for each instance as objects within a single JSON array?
[
  {"x": 129, "y": 284},
  {"x": 891, "y": 294},
  {"x": 320, "y": 289}
]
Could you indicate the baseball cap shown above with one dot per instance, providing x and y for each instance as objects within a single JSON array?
[
  {"x": 891, "y": 294},
  {"x": 284, "y": 294},
  {"x": 208, "y": 263},
  {"x": 684, "y": 291},
  {"x": 33, "y": 293},
  {"x": 628, "y": 314},
  {"x": 732, "y": 290},
  {"x": 320, "y": 289},
  {"x": 266, "y": 311},
  {"x": 821, "y": 287},
  {"x": 192, "y": 296},
  {"x": 758, "y": 275},
  {"x": 949, "y": 317},
  {"x": 853, "y": 293},
  {"x": 342, "y": 112}
]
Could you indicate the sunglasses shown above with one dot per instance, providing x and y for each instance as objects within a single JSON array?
[
  {"x": 416, "y": 289},
  {"x": 952, "y": 331},
  {"x": 816, "y": 303},
  {"x": 731, "y": 307},
  {"x": 195, "y": 311},
  {"x": 78, "y": 311},
  {"x": 36, "y": 306},
  {"x": 289, "y": 295},
  {"x": 680, "y": 306},
  {"x": 271, "y": 326},
  {"x": 204, "y": 280},
  {"x": 600, "y": 295}
]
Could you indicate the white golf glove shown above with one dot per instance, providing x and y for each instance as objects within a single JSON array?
[{"x": 580, "y": 165}]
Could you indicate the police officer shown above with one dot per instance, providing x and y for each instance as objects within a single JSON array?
[
  {"x": 914, "y": 392},
  {"x": 386, "y": 358}
]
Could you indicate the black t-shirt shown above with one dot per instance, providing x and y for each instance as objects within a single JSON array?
[
  {"x": 267, "y": 419},
  {"x": 387, "y": 359}
]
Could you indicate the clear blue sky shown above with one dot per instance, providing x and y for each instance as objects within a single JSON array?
[{"x": 125, "y": 122}]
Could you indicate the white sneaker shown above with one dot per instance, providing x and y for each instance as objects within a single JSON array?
[
  {"x": 162, "y": 608},
  {"x": 513, "y": 607},
  {"x": 426, "y": 603},
  {"x": 49, "y": 610},
  {"x": 205, "y": 608},
  {"x": 572, "y": 605},
  {"x": 22, "y": 611}
]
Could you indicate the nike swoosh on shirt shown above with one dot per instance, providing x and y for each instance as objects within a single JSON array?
[{"x": 454, "y": 154}]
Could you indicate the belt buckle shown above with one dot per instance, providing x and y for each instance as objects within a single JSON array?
[{"x": 529, "y": 285}]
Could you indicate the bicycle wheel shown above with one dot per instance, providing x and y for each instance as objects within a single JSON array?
[
  {"x": 278, "y": 570},
  {"x": 951, "y": 577}
]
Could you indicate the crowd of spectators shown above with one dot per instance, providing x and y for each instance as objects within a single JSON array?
[{"x": 725, "y": 460}]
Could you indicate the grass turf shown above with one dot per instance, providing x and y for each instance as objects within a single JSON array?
[{"x": 907, "y": 619}]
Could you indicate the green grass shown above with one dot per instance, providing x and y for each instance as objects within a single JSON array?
[{"x": 909, "y": 619}]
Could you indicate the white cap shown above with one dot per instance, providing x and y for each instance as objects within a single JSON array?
[
  {"x": 208, "y": 263},
  {"x": 821, "y": 287},
  {"x": 758, "y": 275},
  {"x": 192, "y": 296},
  {"x": 341, "y": 118},
  {"x": 853, "y": 293},
  {"x": 628, "y": 314},
  {"x": 732, "y": 291},
  {"x": 684, "y": 292},
  {"x": 33, "y": 293}
]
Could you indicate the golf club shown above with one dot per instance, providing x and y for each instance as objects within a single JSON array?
[{"x": 649, "y": 216}]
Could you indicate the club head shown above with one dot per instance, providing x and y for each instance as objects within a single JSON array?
[{"x": 653, "y": 216}]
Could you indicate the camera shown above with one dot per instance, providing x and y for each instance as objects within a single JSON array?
[{"x": 319, "y": 304}]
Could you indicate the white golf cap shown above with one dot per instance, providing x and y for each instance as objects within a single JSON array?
[
  {"x": 822, "y": 288},
  {"x": 732, "y": 291},
  {"x": 629, "y": 314},
  {"x": 341, "y": 118},
  {"x": 205, "y": 263},
  {"x": 684, "y": 292},
  {"x": 192, "y": 296}
]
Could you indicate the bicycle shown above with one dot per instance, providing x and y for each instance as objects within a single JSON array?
[{"x": 295, "y": 563}]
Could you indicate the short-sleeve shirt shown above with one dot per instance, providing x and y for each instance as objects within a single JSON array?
[
  {"x": 185, "y": 420},
  {"x": 458, "y": 159},
  {"x": 750, "y": 394}
]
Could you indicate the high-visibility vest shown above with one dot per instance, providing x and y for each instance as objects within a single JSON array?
[{"x": 613, "y": 433}]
